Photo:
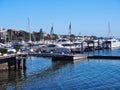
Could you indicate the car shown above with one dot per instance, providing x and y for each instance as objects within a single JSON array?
[
  {"x": 11, "y": 50},
  {"x": 23, "y": 49}
]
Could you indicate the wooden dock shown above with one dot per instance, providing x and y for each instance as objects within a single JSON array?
[
  {"x": 103, "y": 57},
  {"x": 56, "y": 56},
  {"x": 43, "y": 54},
  {"x": 70, "y": 57},
  {"x": 12, "y": 61},
  {"x": 81, "y": 57}
]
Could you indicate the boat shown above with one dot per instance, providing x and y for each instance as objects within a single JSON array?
[
  {"x": 63, "y": 41},
  {"x": 54, "y": 48},
  {"x": 114, "y": 42}
]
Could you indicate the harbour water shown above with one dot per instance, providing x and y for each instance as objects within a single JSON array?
[{"x": 87, "y": 74}]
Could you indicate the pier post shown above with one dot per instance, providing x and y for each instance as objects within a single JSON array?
[
  {"x": 82, "y": 47},
  {"x": 88, "y": 44},
  {"x": 98, "y": 42},
  {"x": 24, "y": 63},
  {"x": 24, "y": 73},
  {"x": 9, "y": 65},
  {"x": 110, "y": 45},
  {"x": 12, "y": 63},
  {"x": 19, "y": 64},
  {"x": 99, "y": 45},
  {"x": 15, "y": 64},
  {"x": 87, "y": 49},
  {"x": 93, "y": 45}
]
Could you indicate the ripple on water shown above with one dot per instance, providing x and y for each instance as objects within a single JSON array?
[{"x": 43, "y": 74}]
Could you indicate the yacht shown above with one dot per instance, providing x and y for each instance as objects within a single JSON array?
[
  {"x": 114, "y": 42},
  {"x": 63, "y": 41}
]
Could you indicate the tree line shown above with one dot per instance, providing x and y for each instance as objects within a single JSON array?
[
  {"x": 21, "y": 35},
  {"x": 14, "y": 35}
]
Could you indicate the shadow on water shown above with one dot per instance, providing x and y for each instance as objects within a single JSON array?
[
  {"x": 10, "y": 78},
  {"x": 46, "y": 72},
  {"x": 15, "y": 79},
  {"x": 100, "y": 52}
]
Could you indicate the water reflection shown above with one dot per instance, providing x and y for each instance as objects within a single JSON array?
[
  {"x": 113, "y": 51},
  {"x": 48, "y": 70},
  {"x": 17, "y": 79},
  {"x": 43, "y": 74},
  {"x": 10, "y": 78}
]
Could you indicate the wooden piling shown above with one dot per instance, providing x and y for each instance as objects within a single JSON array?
[
  {"x": 12, "y": 62},
  {"x": 24, "y": 63},
  {"x": 9, "y": 66},
  {"x": 93, "y": 46},
  {"x": 15, "y": 64},
  {"x": 82, "y": 50},
  {"x": 19, "y": 64}
]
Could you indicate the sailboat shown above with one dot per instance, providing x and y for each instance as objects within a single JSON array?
[
  {"x": 31, "y": 50},
  {"x": 30, "y": 41}
]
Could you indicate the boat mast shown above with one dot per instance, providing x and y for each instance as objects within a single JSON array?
[
  {"x": 70, "y": 31},
  {"x": 29, "y": 30},
  {"x": 51, "y": 33},
  {"x": 109, "y": 30}
]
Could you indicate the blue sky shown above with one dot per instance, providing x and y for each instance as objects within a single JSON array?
[{"x": 88, "y": 17}]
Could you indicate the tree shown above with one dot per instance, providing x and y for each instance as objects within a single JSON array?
[
  {"x": 54, "y": 36},
  {"x": 36, "y": 36},
  {"x": 64, "y": 36},
  {"x": 72, "y": 37},
  {"x": 47, "y": 37},
  {"x": 3, "y": 50},
  {"x": 10, "y": 34}
]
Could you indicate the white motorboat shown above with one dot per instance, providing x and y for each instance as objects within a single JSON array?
[
  {"x": 114, "y": 42},
  {"x": 63, "y": 41}
]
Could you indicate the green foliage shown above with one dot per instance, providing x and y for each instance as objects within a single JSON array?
[
  {"x": 47, "y": 37},
  {"x": 55, "y": 36},
  {"x": 17, "y": 47},
  {"x": 21, "y": 35},
  {"x": 14, "y": 35},
  {"x": 3, "y": 50},
  {"x": 65, "y": 36},
  {"x": 72, "y": 37}
]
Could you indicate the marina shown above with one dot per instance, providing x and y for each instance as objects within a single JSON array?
[
  {"x": 67, "y": 69},
  {"x": 84, "y": 65},
  {"x": 60, "y": 45},
  {"x": 83, "y": 74},
  {"x": 56, "y": 52}
]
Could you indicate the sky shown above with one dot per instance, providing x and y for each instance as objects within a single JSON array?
[{"x": 87, "y": 17}]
